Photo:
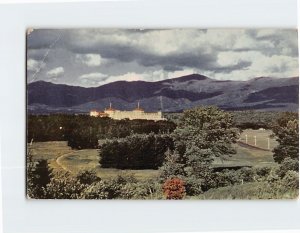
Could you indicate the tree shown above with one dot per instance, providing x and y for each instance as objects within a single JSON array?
[
  {"x": 203, "y": 134},
  {"x": 287, "y": 135},
  {"x": 172, "y": 167},
  {"x": 38, "y": 176}
]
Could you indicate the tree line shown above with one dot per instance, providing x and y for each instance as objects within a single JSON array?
[
  {"x": 184, "y": 157},
  {"x": 83, "y": 131}
]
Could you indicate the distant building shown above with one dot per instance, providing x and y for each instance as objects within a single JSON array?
[{"x": 137, "y": 113}]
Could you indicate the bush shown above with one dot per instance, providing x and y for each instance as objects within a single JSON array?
[
  {"x": 288, "y": 164},
  {"x": 64, "y": 186},
  {"x": 247, "y": 174},
  {"x": 291, "y": 180},
  {"x": 262, "y": 172},
  {"x": 88, "y": 177},
  {"x": 96, "y": 190},
  {"x": 134, "y": 191},
  {"x": 226, "y": 178},
  {"x": 174, "y": 189},
  {"x": 138, "y": 151}
]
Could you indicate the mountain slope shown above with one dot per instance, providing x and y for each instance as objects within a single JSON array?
[{"x": 169, "y": 95}]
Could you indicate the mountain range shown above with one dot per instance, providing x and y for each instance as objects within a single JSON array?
[{"x": 170, "y": 95}]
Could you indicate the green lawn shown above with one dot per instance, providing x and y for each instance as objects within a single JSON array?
[
  {"x": 60, "y": 156},
  {"x": 248, "y": 155},
  {"x": 262, "y": 137}
]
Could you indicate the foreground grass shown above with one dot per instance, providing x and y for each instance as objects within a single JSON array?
[
  {"x": 62, "y": 157},
  {"x": 250, "y": 191}
]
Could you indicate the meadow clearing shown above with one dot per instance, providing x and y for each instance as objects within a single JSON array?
[{"x": 62, "y": 157}]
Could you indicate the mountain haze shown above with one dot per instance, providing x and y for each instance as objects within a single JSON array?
[{"x": 264, "y": 93}]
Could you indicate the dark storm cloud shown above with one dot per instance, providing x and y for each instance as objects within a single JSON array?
[
  {"x": 172, "y": 68},
  {"x": 43, "y": 38},
  {"x": 40, "y": 40},
  {"x": 241, "y": 65},
  {"x": 126, "y": 53},
  {"x": 150, "y": 52}
]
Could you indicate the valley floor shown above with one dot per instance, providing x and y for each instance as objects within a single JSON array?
[{"x": 60, "y": 156}]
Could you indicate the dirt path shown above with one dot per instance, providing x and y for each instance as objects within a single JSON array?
[{"x": 58, "y": 161}]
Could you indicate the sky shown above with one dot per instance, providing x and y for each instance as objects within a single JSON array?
[{"x": 94, "y": 57}]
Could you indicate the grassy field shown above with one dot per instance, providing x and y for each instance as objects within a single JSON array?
[
  {"x": 49, "y": 151},
  {"x": 250, "y": 155},
  {"x": 89, "y": 160},
  {"x": 262, "y": 137},
  {"x": 251, "y": 191},
  {"x": 60, "y": 156}
]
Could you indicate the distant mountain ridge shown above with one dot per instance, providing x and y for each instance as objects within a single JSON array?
[{"x": 167, "y": 95}]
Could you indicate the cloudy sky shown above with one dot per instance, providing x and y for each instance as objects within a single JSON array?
[{"x": 93, "y": 57}]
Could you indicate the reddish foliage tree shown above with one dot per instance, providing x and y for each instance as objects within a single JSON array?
[{"x": 174, "y": 188}]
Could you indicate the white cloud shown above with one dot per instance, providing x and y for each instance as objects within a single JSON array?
[
  {"x": 34, "y": 65},
  {"x": 89, "y": 59},
  {"x": 92, "y": 79},
  {"x": 278, "y": 66},
  {"x": 152, "y": 55},
  {"x": 180, "y": 73},
  {"x": 56, "y": 72},
  {"x": 93, "y": 76}
]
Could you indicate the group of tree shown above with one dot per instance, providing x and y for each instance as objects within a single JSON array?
[
  {"x": 87, "y": 185},
  {"x": 184, "y": 157},
  {"x": 83, "y": 131},
  {"x": 137, "y": 151},
  {"x": 202, "y": 134},
  {"x": 247, "y": 119},
  {"x": 251, "y": 119},
  {"x": 286, "y": 130}
]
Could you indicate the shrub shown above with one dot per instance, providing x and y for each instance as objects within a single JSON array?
[
  {"x": 174, "y": 189},
  {"x": 97, "y": 190},
  {"x": 226, "y": 178},
  {"x": 87, "y": 177},
  {"x": 246, "y": 174},
  {"x": 288, "y": 164},
  {"x": 291, "y": 180},
  {"x": 134, "y": 191},
  {"x": 64, "y": 186},
  {"x": 262, "y": 172},
  {"x": 114, "y": 186}
]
